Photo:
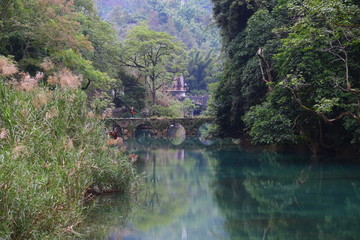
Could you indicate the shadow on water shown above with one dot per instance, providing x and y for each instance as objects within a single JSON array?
[
  {"x": 144, "y": 134},
  {"x": 194, "y": 191}
]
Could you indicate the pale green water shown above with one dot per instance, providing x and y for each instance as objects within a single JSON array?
[{"x": 222, "y": 192}]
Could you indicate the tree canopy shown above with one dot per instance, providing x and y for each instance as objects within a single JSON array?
[
  {"x": 190, "y": 22},
  {"x": 156, "y": 55},
  {"x": 67, "y": 33},
  {"x": 291, "y": 66}
]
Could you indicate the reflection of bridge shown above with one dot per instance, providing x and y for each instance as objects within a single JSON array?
[{"x": 159, "y": 125}]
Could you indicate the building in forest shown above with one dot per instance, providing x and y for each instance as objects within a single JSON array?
[{"x": 178, "y": 88}]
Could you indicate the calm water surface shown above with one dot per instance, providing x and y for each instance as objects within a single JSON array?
[{"x": 219, "y": 191}]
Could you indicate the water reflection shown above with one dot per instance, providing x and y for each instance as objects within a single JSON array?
[
  {"x": 175, "y": 197},
  {"x": 176, "y": 134},
  {"x": 223, "y": 193},
  {"x": 280, "y": 197},
  {"x": 110, "y": 219},
  {"x": 144, "y": 134},
  {"x": 203, "y": 134}
]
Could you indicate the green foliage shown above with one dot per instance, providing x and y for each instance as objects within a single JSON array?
[
  {"x": 51, "y": 152},
  {"x": 267, "y": 126},
  {"x": 104, "y": 41},
  {"x": 232, "y": 15},
  {"x": 352, "y": 126},
  {"x": 326, "y": 105},
  {"x": 69, "y": 33},
  {"x": 188, "y": 107},
  {"x": 79, "y": 65},
  {"x": 202, "y": 70},
  {"x": 134, "y": 92},
  {"x": 211, "y": 109},
  {"x": 101, "y": 103},
  {"x": 324, "y": 34},
  {"x": 221, "y": 103},
  {"x": 52, "y": 149},
  {"x": 310, "y": 48},
  {"x": 189, "y": 21},
  {"x": 35, "y": 28},
  {"x": 242, "y": 87},
  {"x": 157, "y": 55},
  {"x": 173, "y": 110}
]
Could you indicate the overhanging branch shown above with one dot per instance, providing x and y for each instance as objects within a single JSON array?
[{"x": 322, "y": 115}]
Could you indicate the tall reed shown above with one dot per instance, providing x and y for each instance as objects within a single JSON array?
[{"x": 51, "y": 152}]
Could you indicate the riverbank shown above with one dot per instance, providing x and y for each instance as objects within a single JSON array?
[
  {"x": 313, "y": 148},
  {"x": 52, "y": 151}
]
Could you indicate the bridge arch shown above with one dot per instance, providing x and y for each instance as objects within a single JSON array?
[{"x": 160, "y": 125}]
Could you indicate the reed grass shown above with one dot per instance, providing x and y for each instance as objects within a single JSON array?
[{"x": 52, "y": 152}]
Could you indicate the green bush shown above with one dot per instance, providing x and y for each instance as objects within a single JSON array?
[
  {"x": 174, "y": 110},
  {"x": 267, "y": 126},
  {"x": 51, "y": 152}
]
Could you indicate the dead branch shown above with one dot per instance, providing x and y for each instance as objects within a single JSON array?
[{"x": 268, "y": 78}]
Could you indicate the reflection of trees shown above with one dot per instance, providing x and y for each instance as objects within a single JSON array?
[
  {"x": 144, "y": 134},
  {"x": 151, "y": 193},
  {"x": 231, "y": 195},
  {"x": 277, "y": 197},
  {"x": 176, "y": 178},
  {"x": 110, "y": 218},
  {"x": 164, "y": 199},
  {"x": 261, "y": 196}
]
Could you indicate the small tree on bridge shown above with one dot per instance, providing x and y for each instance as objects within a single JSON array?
[{"x": 155, "y": 54}]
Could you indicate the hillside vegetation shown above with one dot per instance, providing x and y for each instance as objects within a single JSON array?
[
  {"x": 190, "y": 22},
  {"x": 292, "y": 72}
]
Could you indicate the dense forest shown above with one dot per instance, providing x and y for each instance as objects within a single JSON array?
[
  {"x": 190, "y": 22},
  {"x": 290, "y": 75},
  {"x": 291, "y": 72},
  {"x": 73, "y": 37}
]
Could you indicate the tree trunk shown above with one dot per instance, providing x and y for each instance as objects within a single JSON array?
[{"x": 153, "y": 91}]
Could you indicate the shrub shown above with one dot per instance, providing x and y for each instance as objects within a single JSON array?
[
  {"x": 267, "y": 126},
  {"x": 174, "y": 110}
]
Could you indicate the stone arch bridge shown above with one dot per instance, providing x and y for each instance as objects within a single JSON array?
[{"x": 158, "y": 125}]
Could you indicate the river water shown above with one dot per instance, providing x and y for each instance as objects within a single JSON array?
[{"x": 220, "y": 191}]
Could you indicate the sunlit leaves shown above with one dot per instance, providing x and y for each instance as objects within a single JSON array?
[{"x": 326, "y": 105}]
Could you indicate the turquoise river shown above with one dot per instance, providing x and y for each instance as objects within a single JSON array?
[{"x": 219, "y": 191}]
